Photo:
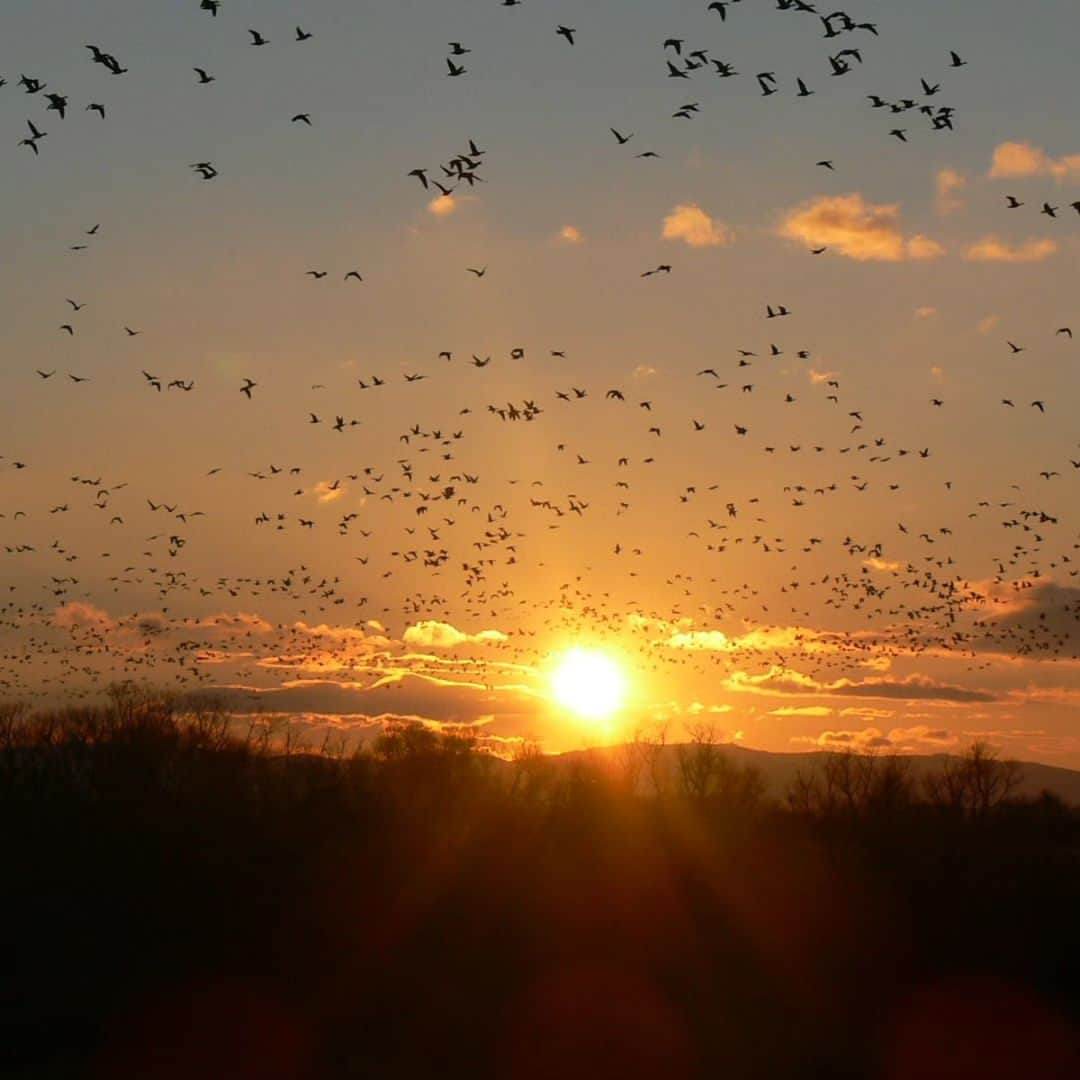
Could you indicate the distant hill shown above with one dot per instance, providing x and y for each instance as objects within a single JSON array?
[{"x": 779, "y": 770}]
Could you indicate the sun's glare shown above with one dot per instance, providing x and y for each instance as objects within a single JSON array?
[{"x": 589, "y": 684}]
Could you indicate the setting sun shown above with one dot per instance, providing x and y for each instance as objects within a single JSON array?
[{"x": 589, "y": 684}]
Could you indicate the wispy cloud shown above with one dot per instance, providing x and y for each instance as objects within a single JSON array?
[
  {"x": 781, "y": 680},
  {"x": 991, "y": 249},
  {"x": 950, "y": 184}
]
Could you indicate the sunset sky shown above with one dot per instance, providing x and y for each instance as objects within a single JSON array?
[{"x": 863, "y": 567}]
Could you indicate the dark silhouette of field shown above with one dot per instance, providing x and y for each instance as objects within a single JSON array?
[{"x": 182, "y": 900}]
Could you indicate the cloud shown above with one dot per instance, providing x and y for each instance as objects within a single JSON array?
[
  {"x": 919, "y": 739},
  {"x": 407, "y": 695},
  {"x": 1039, "y": 623},
  {"x": 78, "y": 614},
  {"x": 818, "y": 377},
  {"x": 700, "y": 639},
  {"x": 439, "y": 635},
  {"x": 781, "y": 680},
  {"x": 921, "y": 735},
  {"x": 850, "y": 226},
  {"x": 802, "y": 710},
  {"x": 925, "y": 312},
  {"x": 571, "y": 234},
  {"x": 922, "y": 247},
  {"x": 870, "y": 738},
  {"x": 885, "y": 565},
  {"x": 991, "y": 249},
  {"x": 1014, "y": 160},
  {"x": 228, "y": 624},
  {"x": 950, "y": 184},
  {"x": 693, "y": 225},
  {"x": 765, "y": 639},
  {"x": 443, "y": 205},
  {"x": 327, "y": 491},
  {"x": 988, "y": 324},
  {"x": 912, "y": 688}
]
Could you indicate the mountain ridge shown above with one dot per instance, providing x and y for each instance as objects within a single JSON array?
[{"x": 779, "y": 768}]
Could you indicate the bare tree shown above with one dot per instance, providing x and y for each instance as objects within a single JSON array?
[
  {"x": 974, "y": 784},
  {"x": 651, "y": 745},
  {"x": 852, "y": 785},
  {"x": 699, "y": 761}
]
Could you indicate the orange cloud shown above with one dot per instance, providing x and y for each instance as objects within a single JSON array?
[
  {"x": 325, "y": 491},
  {"x": 850, "y": 226},
  {"x": 571, "y": 234},
  {"x": 443, "y": 205},
  {"x": 79, "y": 614},
  {"x": 884, "y": 565},
  {"x": 991, "y": 249},
  {"x": 922, "y": 247},
  {"x": 694, "y": 226},
  {"x": 1014, "y": 160}
]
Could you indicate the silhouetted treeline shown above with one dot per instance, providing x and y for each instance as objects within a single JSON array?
[{"x": 183, "y": 898}]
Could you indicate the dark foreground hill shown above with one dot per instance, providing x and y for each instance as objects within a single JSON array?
[{"x": 179, "y": 904}]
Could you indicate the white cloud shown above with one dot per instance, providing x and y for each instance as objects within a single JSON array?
[{"x": 432, "y": 634}]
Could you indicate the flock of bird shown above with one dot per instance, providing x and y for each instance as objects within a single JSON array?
[{"x": 431, "y": 533}]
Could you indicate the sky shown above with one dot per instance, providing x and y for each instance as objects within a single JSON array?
[{"x": 822, "y": 529}]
